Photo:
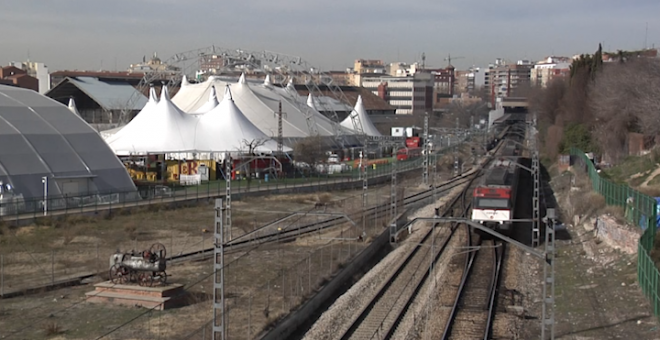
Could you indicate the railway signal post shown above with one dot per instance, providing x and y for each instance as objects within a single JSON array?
[
  {"x": 426, "y": 152},
  {"x": 219, "y": 320},
  {"x": 393, "y": 202},
  {"x": 365, "y": 187}
]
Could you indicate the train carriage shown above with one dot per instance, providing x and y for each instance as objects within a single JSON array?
[{"x": 494, "y": 199}]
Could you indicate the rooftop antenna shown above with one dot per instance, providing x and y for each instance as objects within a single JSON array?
[
  {"x": 646, "y": 35},
  {"x": 423, "y": 60}
]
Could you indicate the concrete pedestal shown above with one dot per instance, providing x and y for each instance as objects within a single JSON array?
[{"x": 158, "y": 298}]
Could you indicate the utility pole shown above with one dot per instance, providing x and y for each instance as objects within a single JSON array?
[
  {"x": 393, "y": 202},
  {"x": 426, "y": 152},
  {"x": 456, "y": 149},
  {"x": 365, "y": 187},
  {"x": 219, "y": 320},
  {"x": 548, "y": 317},
  {"x": 280, "y": 138},
  {"x": 228, "y": 168}
]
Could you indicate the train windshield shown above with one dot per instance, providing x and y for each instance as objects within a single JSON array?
[{"x": 492, "y": 203}]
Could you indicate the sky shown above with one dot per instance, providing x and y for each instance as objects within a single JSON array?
[{"x": 96, "y": 34}]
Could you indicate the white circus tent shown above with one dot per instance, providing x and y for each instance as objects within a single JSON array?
[
  {"x": 151, "y": 103},
  {"x": 225, "y": 128},
  {"x": 367, "y": 126},
  {"x": 164, "y": 128},
  {"x": 259, "y": 102},
  {"x": 210, "y": 104}
]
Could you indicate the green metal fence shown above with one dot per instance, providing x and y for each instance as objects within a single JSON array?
[{"x": 641, "y": 210}]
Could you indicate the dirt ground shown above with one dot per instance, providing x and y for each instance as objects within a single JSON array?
[
  {"x": 56, "y": 250},
  {"x": 263, "y": 285},
  {"x": 597, "y": 295}
]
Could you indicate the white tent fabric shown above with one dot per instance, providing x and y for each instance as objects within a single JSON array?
[
  {"x": 225, "y": 128},
  {"x": 367, "y": 126},
  {"x": 184, "y": 81},
  {"x": 259, "y": 103},
  {"x": 310, "y": 102},
  {"x": 72, "y": 107},
  {"x": 210, "y": 104},
  {"x": 151, "y": 103},
  {"x": 162, "y": 129}
]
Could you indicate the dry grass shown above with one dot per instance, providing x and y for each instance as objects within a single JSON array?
[
  {"x": 651, "y": 191},
  {"x": 52, "y": 328},
  {"x": 585, "y": 202}
]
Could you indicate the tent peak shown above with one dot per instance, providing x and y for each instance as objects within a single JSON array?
[
  {"x": 184, "y": 81},
  {"x": 152, "y": 94},
  {"x": 267, "y": 81},
  {"x": 310, "y": 101},
  {"x": 228, "y": 93},
  {"x": 164, "y": 94},
  {"x": 213, "y": 93},
  {"x": 242, "y": 79},
  {"x": 72, "y": 106}
]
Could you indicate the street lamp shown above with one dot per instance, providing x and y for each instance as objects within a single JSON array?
[{"x": 44, "y": 180}]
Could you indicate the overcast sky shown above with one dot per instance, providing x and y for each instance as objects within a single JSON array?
[{"x": 95, "y": 34}]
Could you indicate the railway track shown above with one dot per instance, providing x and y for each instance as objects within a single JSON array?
[
  {"x": 258, "y": 236},
  {"x": 473, "y": 309},
  {"x": 379, "y": 319}
]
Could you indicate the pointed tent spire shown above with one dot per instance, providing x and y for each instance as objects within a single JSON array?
[
  {"x": 310, "y": 101},
  {"x": 290, "y": 86},
  {"x": 152, "y": 95},
  {"x": 72, "y": 106},
  {"x": 164, "y": 94},
  {"x": 213, "y": 95},
  {"x": 267, "y": 81},
  {"x": 184, "y": 81},
  {"x": 359, "y": 103},
  {"x": 360, "y": 112},
  {"x": 242, "y": 79},
  {"x": 228, "y": 93}
]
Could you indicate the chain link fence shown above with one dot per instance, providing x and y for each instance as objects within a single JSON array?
[{"x": 640, "y": 210}]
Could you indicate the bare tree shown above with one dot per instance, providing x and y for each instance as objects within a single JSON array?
[
  {"x": 624, "y": 98},
  {"x": 249, "y": 147},
  {"x": 465, "y": 112},
  {"x": 309, "y": 150}
]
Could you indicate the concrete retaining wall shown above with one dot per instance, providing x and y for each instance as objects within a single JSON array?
[{"x": 616, "y": 235}]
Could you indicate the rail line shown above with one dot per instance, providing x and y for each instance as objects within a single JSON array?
[
  {"x": 252, "y": 237},
  {"x": 379, "y": 319},
  {"x": 473, "y": 310}
]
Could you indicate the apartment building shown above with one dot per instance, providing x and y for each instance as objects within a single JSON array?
[
  {"x": 411, "y": 94},
  {"x": 503, "y": 79},
  {"x": 549, "y": 68}
]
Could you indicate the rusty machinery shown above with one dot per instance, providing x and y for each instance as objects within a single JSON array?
[{"x": 144, "y": 268}]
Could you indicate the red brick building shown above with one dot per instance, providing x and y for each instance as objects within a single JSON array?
[{"x": 10, "y": 75}]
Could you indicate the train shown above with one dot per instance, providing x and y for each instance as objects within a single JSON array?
[{"x": 494, "y": 198}]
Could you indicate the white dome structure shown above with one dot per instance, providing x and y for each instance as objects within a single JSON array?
[{"x": 40, "y": 137}]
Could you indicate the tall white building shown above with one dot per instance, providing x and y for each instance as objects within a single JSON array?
[
  {"x": 37, "y": 70},
  {"x": 411, "y": 94},
  {"x": 546, "y": 70}
]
